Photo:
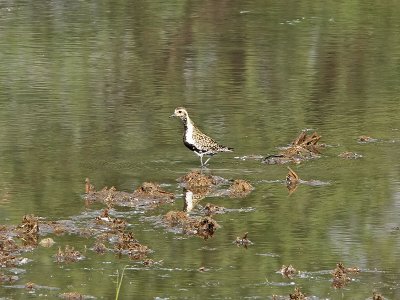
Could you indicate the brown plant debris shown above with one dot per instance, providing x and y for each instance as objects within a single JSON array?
[
  {"x": 72, "y": 296},
  {"x": 204, "y": 227},
  {"x": 47, "y": 242},
  {"x": 292, "y": 180},
  {"x": 366, "y": 139},
  {"x": 243, "y": 241},
  {"x": 240, "y": 188},
  {"x": 350, "y": 155},
  {"x": 127, "y": 244},
  {"x": 8, "y": 278},
  {"x": 341, "y": 275},
  {"x": 99, "y": 248},
  {"x": 29, "y": 225},
  {"x": 30, "y": 285},
  {"x": 302, "y": 148},
  {"x": 288, "y": 271},
  {"x": 148, "y": 262},
  {"x": 115, "y": 224},
  {"x": 89, "y": 188},
  {"x": 297, "y": 295},
  {"x": 152, "y": 190},
  {"x": 29, "y": 230},
  {"x": 148, "y": 195},
  {"x": 377, "y": 296},
  {"x": 9, "y": 252},
  {"x": 211, "y": 209},
  {"x": 176, "y": 218},
  {"x": 68, "y": 255},
  {"x": 200, "y": 182}
]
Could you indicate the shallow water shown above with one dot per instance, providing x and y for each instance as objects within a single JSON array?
[{"x": 86, "y": 89}]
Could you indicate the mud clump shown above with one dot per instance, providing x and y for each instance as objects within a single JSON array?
[
  {"x": 341, "y": 275},
  {"x": 148, "y": 195},
  {"x": 240, "y": 188},
  {"x": 204, "y": 227},
  {"x": 304, "y": 147}
]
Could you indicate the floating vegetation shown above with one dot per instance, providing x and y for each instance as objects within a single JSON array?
[
  {"x": 350, "y": 155},
  {"x": 196, "y": 179},
  {"x": 297, "y": 295},
  {"x": 68, "y": 255},
  {"x": 127, "y": 244},
  {"x": 204, "y": 227},
  {"x": 8, "y": 278},
  {"x": 302, "y": 148},
  {"x": 363, "y": 139},
  {"x": 288, "y": 271},
  {"x": 198, "y": 185},
  {"x": 377, "y": 296},
  {"x": 28, "y": 230},
  {"x": 115, "y": 224},
  {"x": 89, "y": 188},
  {"x": 341, "y": 275},
  {"x": 47, "y": 242},
  {"x": 240, "y": 188},
  {"x": 292, "y": 181},
  {"x": 243, "y": 241},
  {"x": 148, "y": 195},
  {"x": 211, "y": 209},
  {"x": 74, "y": 296}
]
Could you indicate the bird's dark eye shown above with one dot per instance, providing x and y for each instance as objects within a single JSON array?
[{"x": 179, "y": 111}]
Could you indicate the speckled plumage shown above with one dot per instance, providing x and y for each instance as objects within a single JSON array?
[{"x": 196, "y": 140}]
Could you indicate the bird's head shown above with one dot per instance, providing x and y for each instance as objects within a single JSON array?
[{"x": 181, "y": 113}]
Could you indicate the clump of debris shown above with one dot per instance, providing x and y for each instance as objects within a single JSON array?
[{"x": 304, "y": 147}]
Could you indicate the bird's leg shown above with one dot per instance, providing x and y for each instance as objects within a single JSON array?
[
  {"x": 201, "y": 160},
  {"x": 207, "y": 161}
]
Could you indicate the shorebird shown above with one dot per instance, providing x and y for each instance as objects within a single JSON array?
[{"x": 196, "y": 140}]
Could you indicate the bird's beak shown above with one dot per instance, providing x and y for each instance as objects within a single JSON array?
[{"x": 171, "y": 116}]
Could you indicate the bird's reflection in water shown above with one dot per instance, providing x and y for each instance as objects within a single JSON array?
[{"x": 192, "y": 198}]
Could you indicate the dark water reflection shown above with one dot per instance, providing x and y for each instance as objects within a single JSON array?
[{"x": 86, "y": 89}]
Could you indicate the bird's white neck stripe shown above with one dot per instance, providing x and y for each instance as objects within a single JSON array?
[{"x": 189, "y": 132}]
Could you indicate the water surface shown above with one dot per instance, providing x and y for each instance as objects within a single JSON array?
[{"x": 86, "y": 89}]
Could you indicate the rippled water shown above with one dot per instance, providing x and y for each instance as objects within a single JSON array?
[{"x": 86, "y": 89}]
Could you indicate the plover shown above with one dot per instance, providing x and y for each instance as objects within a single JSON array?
[{"x": 196, "y": 140}]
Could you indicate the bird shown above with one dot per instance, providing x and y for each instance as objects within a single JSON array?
[{"x": 198, "y": 142}]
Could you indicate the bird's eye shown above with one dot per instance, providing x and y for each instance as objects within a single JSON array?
[{"x": 179, "y": 111}]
